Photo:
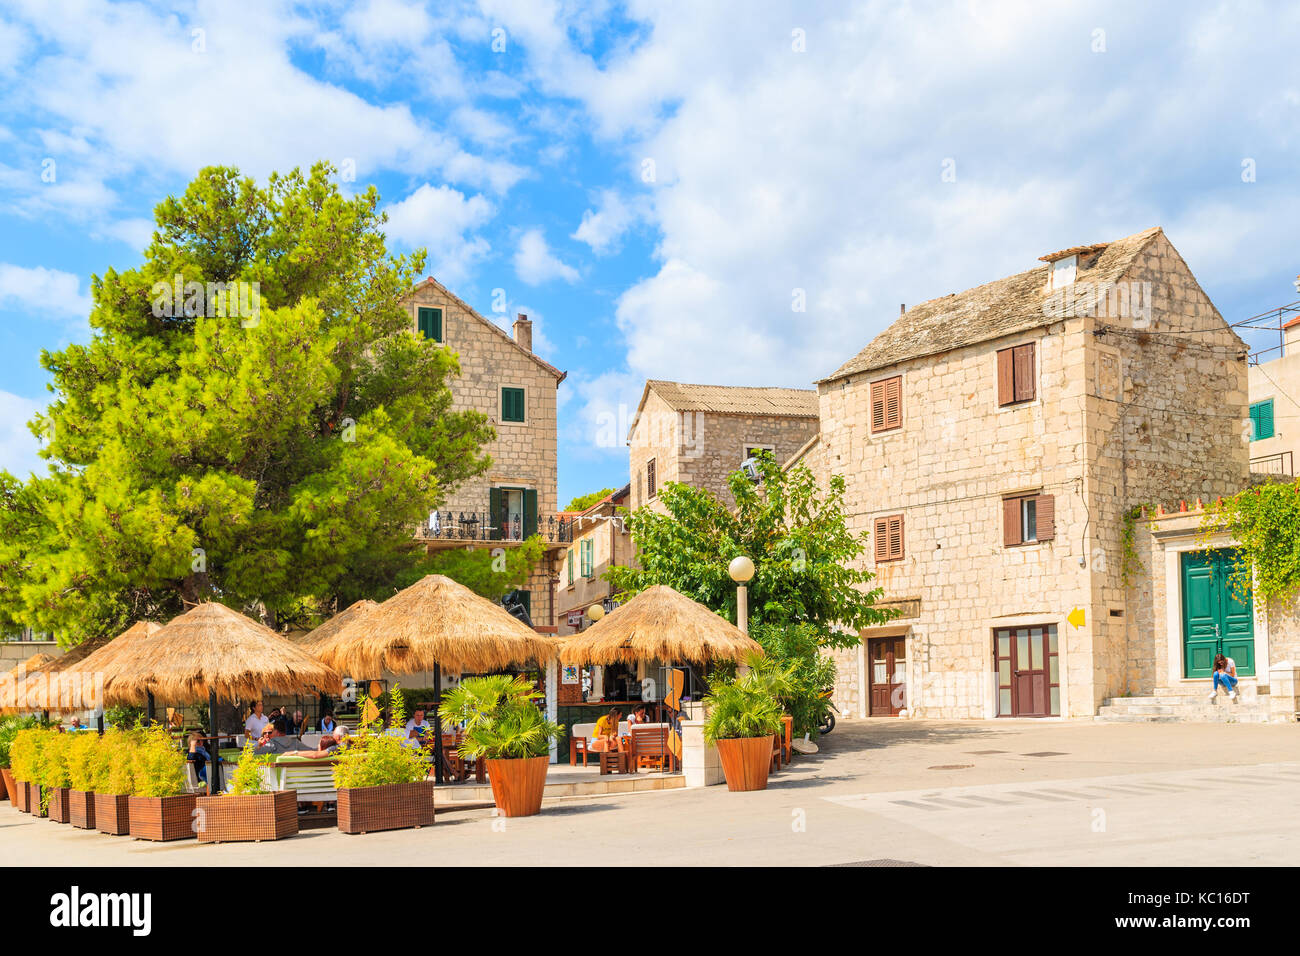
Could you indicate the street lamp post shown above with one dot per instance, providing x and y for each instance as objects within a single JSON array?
[{"x": 741, "y": 570}]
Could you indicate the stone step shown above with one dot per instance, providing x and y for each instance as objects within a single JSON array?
[{"x": 1169, "y": 708}]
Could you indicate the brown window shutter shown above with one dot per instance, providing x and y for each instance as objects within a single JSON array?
[
  {"x": 877, "y": 406},
  {"x": 882, "y": 539},
  {"x": 896, "y": 538},
  {"x": 1046, "y": 521},
  {"x": 894, "y": 402},
  {"x": 1024, "y": 372},
  {"x": 1011, "y": 522},
  {"x": 1006, "y": 378}
]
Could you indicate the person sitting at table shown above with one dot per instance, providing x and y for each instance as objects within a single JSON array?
[
  {"x": 280, "y": 742},
  {"x": 605, "y": 735},
  {"x": 199, "y": 756},
  {"x": 417, "y": 727},
  {"x": 75, "y": 724},
  {"x": 299, "y": 723},
  {"x": 255, "y": 722},
  {"x": 327, "y": 724},
  {"x": 638, "y": 716}
]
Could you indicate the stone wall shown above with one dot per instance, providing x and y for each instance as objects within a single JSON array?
[{"x": 658, "y": 436}]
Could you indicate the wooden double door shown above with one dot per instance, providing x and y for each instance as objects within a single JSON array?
[
  {"x": 1217, "y": 619},
  {"x": 887, "y": 673},
  {"x": 1028, "y": 669}
]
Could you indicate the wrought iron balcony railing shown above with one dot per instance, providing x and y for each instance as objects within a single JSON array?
[{"x": 479, "y": 526}]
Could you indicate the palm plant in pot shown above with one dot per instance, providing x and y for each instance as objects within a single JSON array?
[
  {"x": 505, "y": 728},
  {"x": 248, "y": 811},
  {"x": 742, "y": 715},
  {"x": 159, "y": 807},
  {"x": 55, "y": 781},
  {"x": 82, "y": 755},
  {"x": 113, "y": 779},
  {"x": 381, "y": 780}
]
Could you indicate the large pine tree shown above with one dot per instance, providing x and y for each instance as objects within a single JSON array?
[{"x": 275, "y": 458}]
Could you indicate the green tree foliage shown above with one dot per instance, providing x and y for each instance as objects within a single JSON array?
[
  {"x": 487, "y": 571},
  {"x": 807, "y": 562},
  {"x": 277, "y": 457},
  {"x": 583, "y": 502}
]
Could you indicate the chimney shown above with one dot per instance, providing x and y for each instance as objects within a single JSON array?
[
  {"x": 524, "y": 332},
  {"x": 902, "y": 308}
]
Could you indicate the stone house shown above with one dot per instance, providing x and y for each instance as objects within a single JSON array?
[
  {"x": 700, "y": 434},
  {"x": 503, "y": 378},
  {"x": 1275, "y": 403},
  {"x": 599, "y": 540},
  {"x": 993, "y": 442}
]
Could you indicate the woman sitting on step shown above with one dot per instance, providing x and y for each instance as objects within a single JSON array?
[{"x": 1225, "y": 673}]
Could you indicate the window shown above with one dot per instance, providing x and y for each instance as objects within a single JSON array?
[
  {"x": 570, "y": 567},
  {"x": 587, "y": 551},
  {"x": 887, "y": 404},
  {"x": 429, "y": 323},
  {"x": 512, "y": 404},
  {"x": 753, "y": 451},
  {"x": 889, "y": 538},
  {"x": 1028, "y": 519},
  {"x": 650, "y": 478},
  {"x": 1016, "y": 374},
  {"x": 1261, "y": 420}
]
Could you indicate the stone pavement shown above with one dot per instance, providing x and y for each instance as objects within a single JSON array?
[{"x": 939, "y": 793}]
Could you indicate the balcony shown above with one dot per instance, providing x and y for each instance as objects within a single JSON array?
[
  {"x": 455, "y": 527},
  {"x": 1280, "y": 464}
]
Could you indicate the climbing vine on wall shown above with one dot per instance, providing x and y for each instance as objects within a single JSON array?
[
  {"x": 1130, "y": 562},
  {"x": 1265, "y": 523}
]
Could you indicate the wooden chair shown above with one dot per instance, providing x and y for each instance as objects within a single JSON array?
[
  {"x": 788, "y": 722},
  {"x": 776, "y": 751},
  {"x": 649, "y": 747},
  {"x": 579, "y": 734}
]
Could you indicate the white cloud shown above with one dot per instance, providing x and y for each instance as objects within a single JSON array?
[
  {"x": 535, "y": 263},
  {"x": 603, "y": 227},
  {"x": 43, "y": 292},
  {"x": 18, "y": 446},
  {"x": 442, "y": 220}
]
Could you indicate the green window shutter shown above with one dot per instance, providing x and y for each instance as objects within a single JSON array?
[
  {"x": 430, "y": 323},
  {"x": 496, "y": 513},
  {"x": 1261, "y": 418},
  {"x": 530, "y": 512},
  {"x": 512, "y": 404},
  {"x": 589, "y": 558},
  {"x": 570, "y": 565}
]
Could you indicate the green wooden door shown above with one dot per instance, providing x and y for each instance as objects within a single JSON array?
[{"x": 1215, "y": 619}]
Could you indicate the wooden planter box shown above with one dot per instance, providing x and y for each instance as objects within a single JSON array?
[
  {"x": 518, "y": 784},
  {"x": 394, "y": 806},
  {"x": 81, "y": 809},
  {"x": 162, "y": 818},
  {"x": 59, "y": 805},
  {"x": 112, "y": 814},
  {"x": 18, "y": 794},
  {"x": 34, "y": 800},
  {"x": 251, "y": 816},
  {"x": 745, "y": 762},
  {"x": 7, "y": 779}
]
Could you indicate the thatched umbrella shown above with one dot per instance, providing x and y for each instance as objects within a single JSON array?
[
  {"x": 309, "y": 640},
  {"x": 12, "y": 681},
  {"x": 215, "y": 652},
  {"x": 659, "y": 624},
  {"x": 46, "y": 671},
  {"x": 80, "y": 668},
  {"x": 432, "y": 624}
]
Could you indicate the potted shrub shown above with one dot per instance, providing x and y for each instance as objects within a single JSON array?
[
  {"x": 381, "y": 781},
  {"x": 27, "y": 755},
  {"x": 249, "y": 811},
  {"x": 743, "y": 713},
  {"x": 55, "y": 782},
  {"x": 159, "y": 807},
  {"x": 505, "y": 728},
  {"x": 9, "y": 727},
  {"x": 82, "y": 754},
  {"x": 113, "y": 779}
]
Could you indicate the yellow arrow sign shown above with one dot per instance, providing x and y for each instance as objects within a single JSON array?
[{"x": 1076, "y": 617}]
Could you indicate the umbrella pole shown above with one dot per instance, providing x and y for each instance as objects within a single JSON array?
[
  {"x": 214, "y": 768},
  {"x": 437, "y": 723}
]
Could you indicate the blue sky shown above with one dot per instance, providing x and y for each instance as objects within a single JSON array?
[{"x": 652, "y": 181}]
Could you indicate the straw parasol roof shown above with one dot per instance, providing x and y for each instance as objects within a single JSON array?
[
  {"x": 342, "y": 619},
  {"x": 214, "y": 648},
  {"x": 659, "y": 624},
  {"x": 79, "y": 670},
  {"x": 435, "y": 621},
  {"x": 14, "y": 678}
]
